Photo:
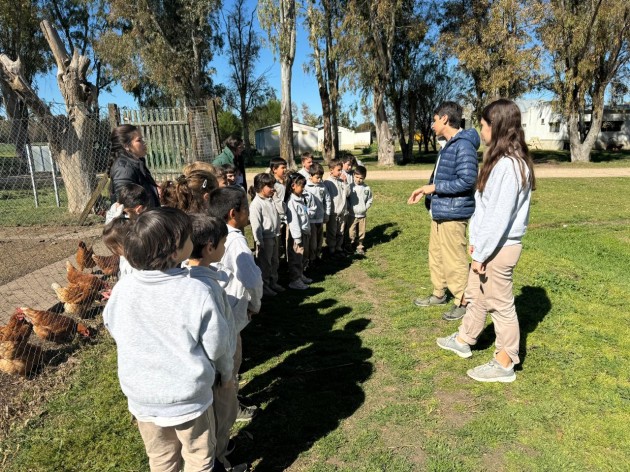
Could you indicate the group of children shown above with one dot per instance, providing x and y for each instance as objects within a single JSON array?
[
  {"x": 289, "y": 210},
  {"x": 189, "y": 284}
]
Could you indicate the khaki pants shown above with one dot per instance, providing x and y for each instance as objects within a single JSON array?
[
  {"x": 356, "y": 232},
  {"x": 268, "y": 258},
  {"x": 225, "y": 405},
  {"x": 192, "y": 442},
  {"x": 316, "y": 241},
  {"x": 295, "y": 256},
  {"x": 448, "y": 258},
  {"x": 335, "y": 229},
  {"x": 492, "y": 293}
]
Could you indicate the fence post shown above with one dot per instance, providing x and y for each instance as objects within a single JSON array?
[
  {"x": 195, "y": 155},
  {"x": 114, "y": 116},
  {"x": 31, "y": 170}
]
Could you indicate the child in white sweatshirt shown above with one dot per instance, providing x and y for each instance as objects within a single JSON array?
[{"x": 299, "y": 230}]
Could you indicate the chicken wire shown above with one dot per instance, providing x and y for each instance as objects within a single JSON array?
[{"x": 40, "y": 238}]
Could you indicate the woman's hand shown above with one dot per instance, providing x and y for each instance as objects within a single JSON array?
[
  {"x": 478, "y": 267},
  {"x": 416, "y": 196}
]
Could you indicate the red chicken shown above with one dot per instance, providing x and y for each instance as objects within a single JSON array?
[
  {"x": 110, "y": 265},
  {"x": 84, "y": 256},
  {"x": 53, "y": 327},
  {"x": 77, "y": 277},
  {"x": 16, "y": 355}
]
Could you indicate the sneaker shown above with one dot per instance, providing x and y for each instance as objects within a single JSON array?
[
  {"x": 306, "y": 280},
  {"x": 450, "y": 343},
  {"x": 455, "y": 313},
  {"x": 492, "y": 372},
  {"x": 298, "y": 285},
  {"x": 219, "y": 467},
  {"x": 267, "y": 292},
  {"x": 278, "y": 288},
  {"x": 430, "y": 301},
  {"x": 246, "y": 413},
  {"x": 360, "y": 252}
]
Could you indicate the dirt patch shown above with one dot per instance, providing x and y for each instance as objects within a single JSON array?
[{"x": 455, "y": 408}]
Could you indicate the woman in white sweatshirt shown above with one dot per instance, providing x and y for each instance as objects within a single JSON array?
[{"x": 502, "y": 200}]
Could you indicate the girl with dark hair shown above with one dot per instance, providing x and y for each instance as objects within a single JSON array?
[
  {"x": 298, "y": 231},
  {"x": 233, "y": 154},
  {"x": 189, "y": 192},
  {"x": 502, "y": 200},
  {"x": 127, "y": 163}
]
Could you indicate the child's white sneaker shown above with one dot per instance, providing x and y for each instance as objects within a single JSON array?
[{"x": 298, "y": 285}]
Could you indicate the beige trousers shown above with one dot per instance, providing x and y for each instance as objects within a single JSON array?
[
  {"x": 268, "y": 258},
  {"x": 448, "y": 258},
  {"x": 192, "y": 442},
  {"x": 225, "y": 405},
  {"x": 356, "y": 232},
  {"x": 492, "y": 293}
]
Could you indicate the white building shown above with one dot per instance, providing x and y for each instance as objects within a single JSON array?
[
  {"x": 546, "y": 129},
  {"x": 268, "y": 139},
  {"x": 346, "y": 138}
]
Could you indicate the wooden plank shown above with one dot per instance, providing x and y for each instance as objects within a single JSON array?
[{"x": 95, "y": 194}]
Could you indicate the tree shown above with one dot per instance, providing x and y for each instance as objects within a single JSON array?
[
  {"x": 229, "y": 124},
  {"x": 589, "y": 44},
  {"x": 70, "y": 137},
  {"x": 279, "y": 20},
  {"x": 21, "y": 37},
  {"x": 309, "y": 118},
  {"x": 326, "y": 35},
  {"x": 371, "y": 28},
  {"x": 246, "y": 90},
  {"x": 161, "y": 51},
  {"x": 492, "y": 43}
]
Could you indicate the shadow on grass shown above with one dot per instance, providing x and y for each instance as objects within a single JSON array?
[
  {"x": 381, "y": 234},
  {"x": 532, "y": 305},
  {"x": 309, "y": 392}
]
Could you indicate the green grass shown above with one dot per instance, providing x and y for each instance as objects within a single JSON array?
[{"x": 349, "y": 376}]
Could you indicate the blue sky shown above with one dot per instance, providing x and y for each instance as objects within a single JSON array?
[{"x": 303, "y": 90}]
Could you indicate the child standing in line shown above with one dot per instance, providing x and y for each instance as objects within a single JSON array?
[
  {"x": 278, "y": 168},
  {"x": 265, "y": 222},
  {"x": 307, "y": 162},
  {"x": 230, "y": 173},
  {"x": 189, "y": 192},
  {"x": 230, "y": 205},
  {"x": 338, "y": 191},
  {"x": 208, "y": 237},
  {"x": 162, "y": 320},
  {"x": 322, "y": 209},
  {"x": 299, "y": 229},
  {"x": 359, "y": 202},
  {"x": 348, "y": 161}
]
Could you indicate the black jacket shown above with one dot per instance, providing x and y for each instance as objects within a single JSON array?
[{"x": 129, "y": 170}]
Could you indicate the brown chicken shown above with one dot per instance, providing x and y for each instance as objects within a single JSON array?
[
  {"x": 77, "y": 277},
  {"x": 108, "y": 264},
  {"x": 16, "y": 355},
  {"x": 84, "y": 256},
  {"x": 75, "y": 293},
  {"x": 53, "y": 327}
]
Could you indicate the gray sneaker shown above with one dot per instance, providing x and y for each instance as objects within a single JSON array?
[
  {"x": 246, "y": 413},
  {"x": 492, "y": 372},
  {"x": 430, "y": 301},
  {"x": 455, "y": 313},
  {"x": 450, "y": 344}
]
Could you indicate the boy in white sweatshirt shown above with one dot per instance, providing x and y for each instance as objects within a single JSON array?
[
  {"x": 338, "y": 191},
  {"x": 162, "y": 320},
  {"x": 359, "y": 202},
  {"x": 317, "y": 193}
]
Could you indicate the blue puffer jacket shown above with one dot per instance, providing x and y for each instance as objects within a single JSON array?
[{"x": 454, "y": 197}]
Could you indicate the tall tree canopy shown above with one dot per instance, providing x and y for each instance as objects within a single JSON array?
[{"x": 160, "y": 50}]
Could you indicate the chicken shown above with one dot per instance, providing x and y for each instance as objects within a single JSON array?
[
  {"x": 108, "y": 264},
  {"x": 84, "y": 256},
  {"x": 77, "y": 277},
  {"x": 22, "y": 358},
  {"x": 75, "y": 293},
  {"x": 54, "y": 327},
  {"x": 16, "y": 355}
]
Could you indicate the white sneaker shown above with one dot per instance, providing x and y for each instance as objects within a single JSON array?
[
  {"x": 298, "y": 285},
  {"x": 306, "y": 280}
]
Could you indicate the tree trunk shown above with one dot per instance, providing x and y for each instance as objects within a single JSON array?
[
  {"x": 412, "y": 126},
  {"x": 397, "y": 107},
  {"x": 286, "y": 116},
  {"x": 245, "y": 123},
  {"x": 580, "y": 144},
  {"x": 17, "y": 112},
  {"x": 383, "y": 135}
]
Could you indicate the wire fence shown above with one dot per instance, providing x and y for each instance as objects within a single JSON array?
[{"x": 55, "y": 271}]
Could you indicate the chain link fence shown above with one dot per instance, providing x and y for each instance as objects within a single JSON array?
[{"x": 51, "y": 288}]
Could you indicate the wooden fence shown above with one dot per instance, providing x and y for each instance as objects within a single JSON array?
[{"x": 175, "y": 136}]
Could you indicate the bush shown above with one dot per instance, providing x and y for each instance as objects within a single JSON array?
[{"x": 371, "y": 149}]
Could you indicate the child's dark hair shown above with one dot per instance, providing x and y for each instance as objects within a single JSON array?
[
  {"x": 224, "y": 199},
  {"x": 361, "y": 170},
  {"x": 187, "y": 191},
  {"x": 292, "y": 179},
  {"x": 276, "y": 162},
  {"x": 453, "y": 111},
  {"x": 334, "y": 163},
  {"x": 347, "y": 157},
  {"x": 261, "y": 181},
  {"x": 133, "y": 195},
  {"x": 115, "y": 232},
  {"x": 306, "y": 155},
  {"x": 316, "y": 169},
  {"x": 206, "y": 229},
  {"x": 155, "y": 236},
  {"x": 229, "y": 168}
]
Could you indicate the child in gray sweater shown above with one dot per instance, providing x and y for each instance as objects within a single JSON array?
[
  {"x": 359, "y": 202},
  {"x": 162, "y": 320}
]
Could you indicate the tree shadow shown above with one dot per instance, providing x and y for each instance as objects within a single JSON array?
[
  {"x": 381, "y": 234},
  {"x": 532, "y": 305},
  {"x": 306, "y": 395}
]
